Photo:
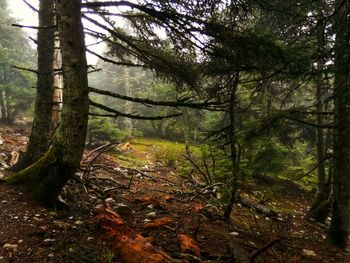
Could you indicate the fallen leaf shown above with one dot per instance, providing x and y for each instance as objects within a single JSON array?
[
  {"x": 9, "y": 246},
  {"x": 61, "y": 224},
  {"x": 188, "y": 245},
  {"x": 309, "y": 253},
  {"x": 168, "y": 198},
  {"x": 158, "y": 222},
  {"x": 198, "y": 207},
  {"x": 150, "y": 201},
  {"x": 131, "y": 246}
]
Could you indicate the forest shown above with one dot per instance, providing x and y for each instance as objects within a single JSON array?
[{"x": 175, "y": 131}]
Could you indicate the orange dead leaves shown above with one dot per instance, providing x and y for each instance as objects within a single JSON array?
[
  {"x": 188, "y": 245},
  {"x": 141, "y": 250},
  {"x": 131, "y": 246},
  {"x": 150, "y": 200},
  {"x": 198, "y": 207},
  {"x": 168, "y": 197},
  {"x": 158, "y": 222}
]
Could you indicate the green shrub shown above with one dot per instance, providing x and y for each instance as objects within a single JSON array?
[{"x": 101, "y": 129}]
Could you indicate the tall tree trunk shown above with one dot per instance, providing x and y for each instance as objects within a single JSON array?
[
  {"x": 47, "y": 176},
  {"x": 233, "y": 142},
  {"x": 40, "y": 139},
  {"x": 340, "y": 224},
  {"x": 320, "y": 208}
]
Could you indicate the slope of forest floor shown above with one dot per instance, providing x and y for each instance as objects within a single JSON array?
[{"x": 136, "y": 189}]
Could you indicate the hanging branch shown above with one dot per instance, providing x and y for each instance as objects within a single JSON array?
[
  {"x": 25, "y": 69},
  {"x": 115, "y": 62},
  {"x": 203, "y": 105},
  {"x": 30, "y": 6},
  {"x": 137, "y": 51},
  {"x": 34, "y": 40},
  {"x": 329, "y": 156},
  {"x": 325, "y": 126},
  {"x": 103, "y": 115},
  {"x": 131, "y": 116},
  {"x": 34, "y": 27}
]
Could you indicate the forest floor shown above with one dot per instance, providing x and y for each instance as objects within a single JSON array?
[{"x": 134, "y": 204}]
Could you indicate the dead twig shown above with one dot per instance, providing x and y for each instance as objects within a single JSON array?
[
  {"x": 201, "y": 191},
  {"x": 261, "y": 250},
  {"x": 99, "y": 150},
  {"x": 198, "y": 168},
  {"x": 103, "y": 193}
]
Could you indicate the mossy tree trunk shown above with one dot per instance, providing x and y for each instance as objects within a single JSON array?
[
  {"x": 40, "y": 138},
  {"x": 340, "y": 224},
  {"x": 47, "y": 176}
]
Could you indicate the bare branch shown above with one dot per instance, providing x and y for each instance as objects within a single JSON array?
[
  {"x": 263, "y": 249},
  {"x": 325, "y": 126},
  {"x": 202, "y": 105},
  {"x": 26, "y": 69},
  {"x": 30, "y": 6},
  {"x": 34, "y": 27},
  {"x": 131, "y": 116},
  {"x": 115, "y": 62},
  {"x": 34, "y": 40}
]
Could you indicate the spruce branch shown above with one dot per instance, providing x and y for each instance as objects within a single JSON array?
[{"x": 117, "y": 113}]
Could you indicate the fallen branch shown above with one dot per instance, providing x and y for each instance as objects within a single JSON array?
[
  {"x": 103, "y": 193},
  {"x": 258, "y": 207},
  {"x": 142, "y": 173},
  {"x": 197, "y": 167},
  {"x": 99, "y": 150},
  {"x": 201, "y": 191},
  {"x": 261, "y": 250}
]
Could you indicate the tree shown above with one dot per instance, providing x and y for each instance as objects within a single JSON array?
[
  {"x": 16, "y": 95},
  {"x": 320, "y": 208},
  {"x": 46, "y": 177},
  {"x": 340, "y": 224},
  {"x": 40, "y": 136}
]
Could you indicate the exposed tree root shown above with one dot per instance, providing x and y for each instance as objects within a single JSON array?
[{"x": 45, "y": 178}]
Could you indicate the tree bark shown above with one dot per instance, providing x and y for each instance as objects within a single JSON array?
[
  {"x": 2, "y": 105},
  {"x": 234, "y": 157},
  {"x": 40, "y": 139},
  {"x": 47, "y": 176},
  {"x": 320, "y": 208},
  {"x": 340, "y": 224},
  {"x": 57, "y": 87}
]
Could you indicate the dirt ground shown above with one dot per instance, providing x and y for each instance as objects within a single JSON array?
[{"x": 31, "y": 233}]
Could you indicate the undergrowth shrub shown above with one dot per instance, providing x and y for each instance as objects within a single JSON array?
[{"x": 101, "y": 129}]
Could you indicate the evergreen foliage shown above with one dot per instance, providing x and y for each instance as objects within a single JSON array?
[{"x": 16, "y": 93}]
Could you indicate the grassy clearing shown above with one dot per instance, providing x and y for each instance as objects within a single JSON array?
[{"x": 162, "y": 150}]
